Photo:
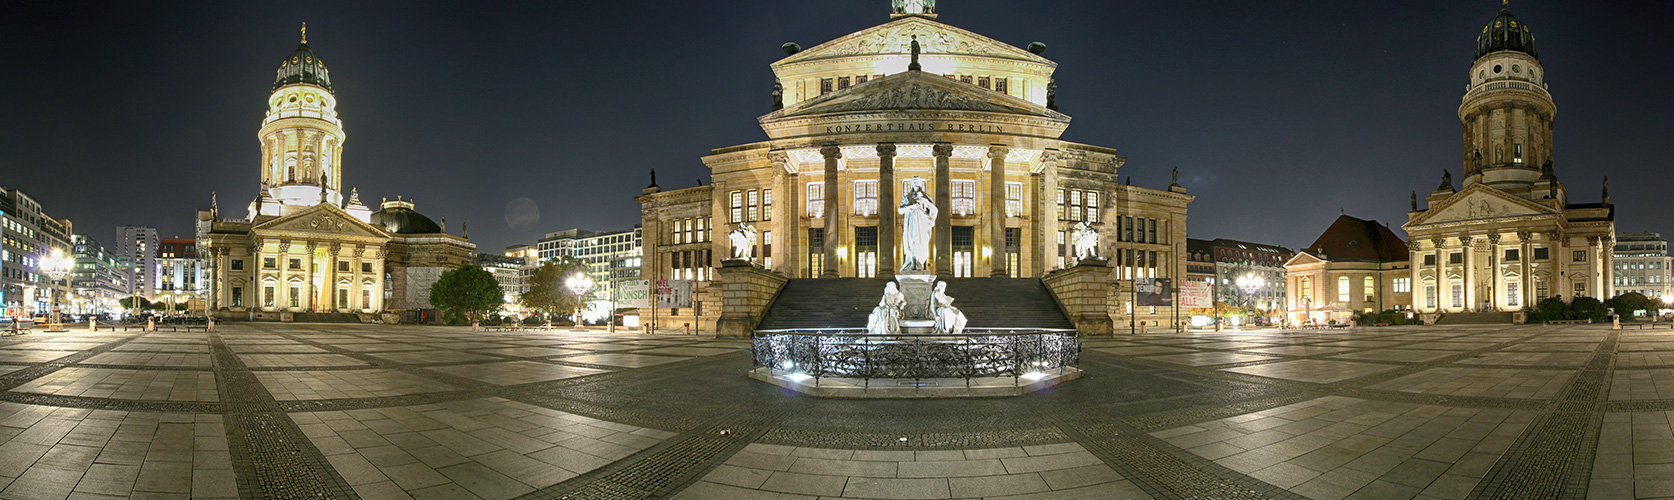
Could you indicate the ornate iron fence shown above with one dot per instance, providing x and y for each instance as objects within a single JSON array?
[{"x": 978, "y": 352}]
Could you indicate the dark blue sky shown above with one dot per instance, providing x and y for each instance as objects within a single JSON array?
[{"x": 1277, "y": 113}]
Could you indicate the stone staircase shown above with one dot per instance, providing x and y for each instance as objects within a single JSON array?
[
  {"x": 845, "y": 303},
  {"x": 313, "y": 317},
  {"x": 1475, "y": 318}
]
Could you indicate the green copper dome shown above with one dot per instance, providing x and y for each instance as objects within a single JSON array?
[
  {"x": 1506, "y": 33},
  {"x": 302, "y": 66}
]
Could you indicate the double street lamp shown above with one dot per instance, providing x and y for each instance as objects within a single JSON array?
[
  {"x": 56, "y": 267},
  {"x": 1250, "y": 283},
  {"x": 579, "y": 283}
]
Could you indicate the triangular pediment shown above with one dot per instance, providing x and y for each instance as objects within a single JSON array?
[
  {"x": 1479, "y": 202},
  {"x": 322, "y": 221},
  {"x": 914, "y": 91},
  {"x": 1303, "y": 258},
  {"x": 895, "y": 37}
]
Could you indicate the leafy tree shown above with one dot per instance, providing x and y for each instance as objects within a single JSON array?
[
  {"x": 466, "y": 294},
  {"x": 1627, "y": 303},
  {"x": 1550, "y": 309},
  {"x": 136, "y": 303},
  {"x": 1588, "y": 308},
  {"x": 547, "y": 293}
]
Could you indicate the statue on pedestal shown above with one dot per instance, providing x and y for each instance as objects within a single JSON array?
[
  {"x": 918, "y": 218},
  {"x": 886, "y": 317},
  {"x": 743, "y": 241},
  {"x": 1086, "y": 240},
  {"x": 948, "y": 318}
]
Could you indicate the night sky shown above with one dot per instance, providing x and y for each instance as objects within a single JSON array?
[{"x": 1278, "y": 114}]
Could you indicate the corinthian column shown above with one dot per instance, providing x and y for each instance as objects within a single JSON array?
[
  {"x": 997, "y": 210},
  {"x": 886, "y": 210},
  {"x": 832, "y": 153},
  {"x": 944, "y": 213}
]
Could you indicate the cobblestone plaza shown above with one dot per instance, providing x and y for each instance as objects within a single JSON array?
[{"x": 346, "y": 411}]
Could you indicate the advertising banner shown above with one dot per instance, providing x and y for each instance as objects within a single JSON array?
[
  {"x": 1195, "y": 294},
  {"x": 633, "y": 293},
  {"x": 674, "y": 293},
  {"x": 1154, "y": 291}
]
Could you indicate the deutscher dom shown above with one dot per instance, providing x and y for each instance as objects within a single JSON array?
[
  {"x": 302, "y": 248},
  {"x": 1509, "y": 234}
]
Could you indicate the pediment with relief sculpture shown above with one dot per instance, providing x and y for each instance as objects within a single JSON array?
[
  {"x": 1479, "y": 202},
  {"x": 896, "y": 36},
  {"x": 321, "y": 221}
]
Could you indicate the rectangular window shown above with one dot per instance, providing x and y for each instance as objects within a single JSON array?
[
  {"x": 1403, "y": 285},
  {"x": 366, "y": 298},
  {"x": 736, "y": 201},
  {"x": 296, "y": 297},
  {"x": 1430, "y": 259},
  {"x": 964, "y": 78},
  {"x": 342, "y": 298},
  {"x": 816, "y": 251},
  {"x": 1061, "y": 204},
  {"x": 1455, "y": 258},
  {"x": 1061, "y": 249},
  {"x": 1579, "y": 256},
  {"x": 866, "y": 197},
  {"x": 1014, "y": 245},
  {"x": 1371, "y": 290},
  {"x": 269, "y": 263},
  {"x": 1343, "y": 289},
  {"x": 1580, "y": 289},
  {"x": 1000, "y": 85},
  {"x": 1153, "y": 229},
  {"x": 1092, "y": 205},
  {"x": 366, "y": 267},
  {"x": 1075, "y": 212},
  {"x": 1458, "y": 295},
  {"x": 964, "y": 197},
  {"x": 825, "y": 86},
  {"x": 1517, "y": 153},
  {"x": 1430, "y": 296},
  {"x": 267, "y": 296},
  {"x": 237, "y": 265},
  {"x": 237, "y": 296},
  {"x": 1127, "y": 229},
  {"x": 767, "y": 248},
  {"x": 860, "y": 79},
  {"x": 842, "y": 82},
  {"x": 963, "y": 243},
  {"x": 1511, "y": 293},
  {"x": 1542, "y": 254},
  {"x": 1511, "y": 255},
  {"x": 296, "y": 263},
  {"x": 767, "y": 204},
  {"x": 753, "y": 202},
  {"x": 342, "y": 266},
  {"x": 1014, "y": 199},
  {"x": 982, "y": 81},
  {"x": 816, "y": 199},
  {"x": 866, "y": 251}
]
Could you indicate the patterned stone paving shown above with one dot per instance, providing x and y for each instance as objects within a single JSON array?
[{"x": 364, "y": 411}]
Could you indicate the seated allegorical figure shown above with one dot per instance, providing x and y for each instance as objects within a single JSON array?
[
  {"x": 948, "y": 318},
  {"x": 886, "y": 317}
]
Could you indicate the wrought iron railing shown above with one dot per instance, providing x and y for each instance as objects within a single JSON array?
[{"x": 977, "y": 352}]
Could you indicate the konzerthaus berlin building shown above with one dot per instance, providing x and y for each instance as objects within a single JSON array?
[
  {"x": 1510, "y": 235},
  {"x": 303, "y": 247},
  {"x": 856, "y": 118}
]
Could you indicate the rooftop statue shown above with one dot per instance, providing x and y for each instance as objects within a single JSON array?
[{"x": 913, "y": 6}]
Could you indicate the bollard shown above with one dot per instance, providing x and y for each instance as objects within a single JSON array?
[
  {"x": 476, "y": 327},
  {"x": 211, "y": 327},
  {"x": 150, "y": 324},
  {"x": 1615, "y": 322},
  {"x": 91, "y": 325}
]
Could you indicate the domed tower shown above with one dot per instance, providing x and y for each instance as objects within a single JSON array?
[
  {"x": 302, "y": 138},
  {"x": 1507, "y": 112}
]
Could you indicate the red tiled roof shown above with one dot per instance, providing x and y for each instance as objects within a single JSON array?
[{"x": 1349, "y": 238}]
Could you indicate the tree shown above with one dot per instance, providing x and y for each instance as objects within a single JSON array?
[
  {"x": 1588, "y": 308},
  {"x": 466, "y": 294},
  {"x": 1626, "y": 304},
  {"x": 136, "y": 303},
  {"x": 547, "y": 293}
]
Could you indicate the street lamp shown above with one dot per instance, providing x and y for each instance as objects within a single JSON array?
[
  {"x": 56, "y": 267},
  {"x": 1249, "y": 282},
  {"x": 579, "y": 283}
]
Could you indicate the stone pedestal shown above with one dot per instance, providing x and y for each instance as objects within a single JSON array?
[
  {"x": 918, "y": 317},
  {"x": 746, "y": 291},
  {"x": 1083, "y": 292}
]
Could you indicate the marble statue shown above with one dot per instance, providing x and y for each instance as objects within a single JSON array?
[
  {"x": 918, "y": 218},
  {"x": 743, "y": 240},
  {"x": 914, "y": 6},
  {"x": 948, "y": 318},
  {"x": 886, "y": 317},
  {"x": 1086, "y": 240}
]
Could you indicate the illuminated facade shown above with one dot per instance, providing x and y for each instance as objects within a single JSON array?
[
  {"x": 304, "y": 246},
  {"x": 856, "y": 118},
  {"x": 1641, "y": 265},
  {"x": 1510, "y": 235}
]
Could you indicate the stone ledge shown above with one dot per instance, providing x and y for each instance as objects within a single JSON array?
[{"x": 986, "y": 387}]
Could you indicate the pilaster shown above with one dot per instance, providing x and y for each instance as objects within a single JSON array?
[{"x": 833, "y": 233}]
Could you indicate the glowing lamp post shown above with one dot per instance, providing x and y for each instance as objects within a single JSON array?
[
  {"x": 56, "y": 267},
  {"x": 580, "y": 284},
  {"x": 1250, "y": 283}
]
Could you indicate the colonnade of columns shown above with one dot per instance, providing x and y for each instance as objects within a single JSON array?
[{"x": 1510, "y": 285}]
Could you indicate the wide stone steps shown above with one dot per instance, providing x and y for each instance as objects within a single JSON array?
[
  {"x": 1475, "y": 318},
  {"x": 845, "y": 303},
  {"x": 314, "y": 317}
]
